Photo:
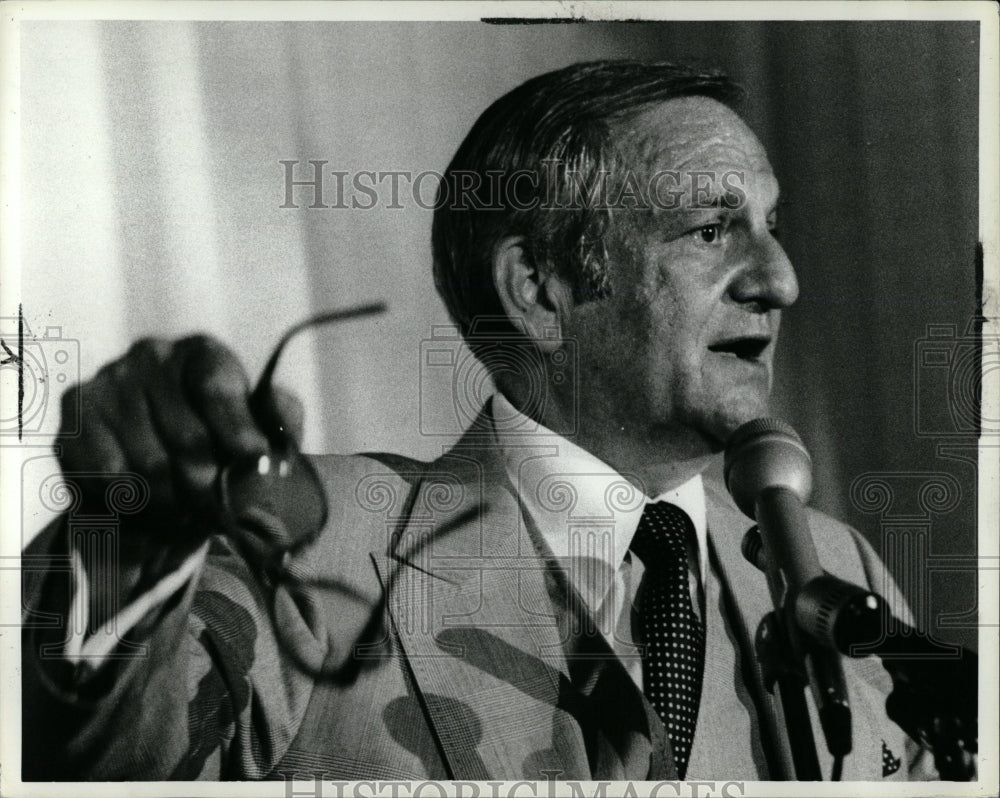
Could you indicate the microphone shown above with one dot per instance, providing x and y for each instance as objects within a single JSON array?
[
  {"x": 768, "y": 471},
  {"x": 832, "y": 611}
]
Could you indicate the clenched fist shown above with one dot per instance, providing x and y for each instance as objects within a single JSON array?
[{"x": 175, "y": 413}]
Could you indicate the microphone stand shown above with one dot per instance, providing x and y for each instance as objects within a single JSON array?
[
  {"x": 935, "y": 687},
  {"x": 934, "y": 702},
  {"x": 782, "y": 662},
  {"x": 818, "y": 617},
  {"x": 789, "y": 658}
]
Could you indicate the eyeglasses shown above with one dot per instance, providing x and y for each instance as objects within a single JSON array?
[{"x": 274, "y": 505}]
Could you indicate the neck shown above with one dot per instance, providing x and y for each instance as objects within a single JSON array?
[{"x": 654, "y": 459}]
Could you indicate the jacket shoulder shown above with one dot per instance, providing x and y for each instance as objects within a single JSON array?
[
  {"x": 363, "y": 491},
  {"x": 842, "y": 549}
]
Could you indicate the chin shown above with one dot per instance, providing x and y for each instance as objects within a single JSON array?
[{"x": 721, "y": 424}]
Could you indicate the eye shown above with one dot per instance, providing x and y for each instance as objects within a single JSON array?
[{"x": 709, "y": 233}]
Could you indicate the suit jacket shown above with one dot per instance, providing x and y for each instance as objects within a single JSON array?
[{"x": 427, "y": 636}]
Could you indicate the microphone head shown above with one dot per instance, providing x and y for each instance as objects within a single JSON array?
[{"x": 766, "y": 453}]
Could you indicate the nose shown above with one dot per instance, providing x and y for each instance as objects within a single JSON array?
[{"x": 768, "y": 276}]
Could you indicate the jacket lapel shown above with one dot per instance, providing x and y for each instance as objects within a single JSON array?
[
  {"x": 748, "y": 601},
  {"x": 624, "y": 738},
  {"x": 468, "y": 598}
]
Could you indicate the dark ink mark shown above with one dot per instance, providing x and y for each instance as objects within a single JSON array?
[
  {"x": 977, "y": 330},
  {"x": 531, "y": 20},
  {"x": 19, "y": 360}
]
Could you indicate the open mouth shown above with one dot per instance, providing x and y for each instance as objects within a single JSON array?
[{"x": 749, "y": 348}]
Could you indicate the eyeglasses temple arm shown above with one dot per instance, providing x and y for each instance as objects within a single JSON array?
[{"x": 262, "y": 403}]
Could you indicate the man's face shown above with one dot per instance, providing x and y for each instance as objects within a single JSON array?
[{"x": 682, "y": 352}]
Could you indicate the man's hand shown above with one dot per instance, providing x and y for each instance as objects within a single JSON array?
[{"x": 174, "y": 413}]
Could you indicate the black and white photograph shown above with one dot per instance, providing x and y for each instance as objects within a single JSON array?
[{"x": 499, "y": 399}]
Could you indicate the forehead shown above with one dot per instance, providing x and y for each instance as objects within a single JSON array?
[{"x": 693, "y": 133}]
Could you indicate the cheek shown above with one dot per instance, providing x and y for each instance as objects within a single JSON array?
[
  {"x": 612, "y": 342},
  {"x": 669, "y": 333},
  {"x": 664, "y": 361}
]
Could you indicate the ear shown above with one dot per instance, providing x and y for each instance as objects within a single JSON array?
[{"x": 535, "y": 302}]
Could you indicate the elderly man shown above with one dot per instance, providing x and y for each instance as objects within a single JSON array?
[{"x": 560, "y": 595}]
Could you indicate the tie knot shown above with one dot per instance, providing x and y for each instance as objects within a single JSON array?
[{"x": 661, "y": 537}]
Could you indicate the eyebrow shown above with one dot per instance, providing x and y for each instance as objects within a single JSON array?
[
  {"x": 713, "y": 197},
  {"x": 719, "y": 201}
]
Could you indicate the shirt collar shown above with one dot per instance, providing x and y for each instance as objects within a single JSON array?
[{"x": 584, "y": 510}]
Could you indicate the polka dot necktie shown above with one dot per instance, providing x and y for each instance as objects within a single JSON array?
[{"x": 674, "y": 637}]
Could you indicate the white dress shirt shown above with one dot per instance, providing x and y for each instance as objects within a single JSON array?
[{"x": 587, "y": 513}]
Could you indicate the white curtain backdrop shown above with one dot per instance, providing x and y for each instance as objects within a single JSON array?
[{"x": 152, "y": 191}]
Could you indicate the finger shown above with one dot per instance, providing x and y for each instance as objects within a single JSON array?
[
  {"x": 192, "y": 455},
  {"x": 95, "y": 448},
  {"x": 114, "y": 403},
  {"x": 291, "y": 412},
  {"x": 217, "y": 387},
  {"x": 96, "y": 455},
  {"x": 162, "y": 438}
]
